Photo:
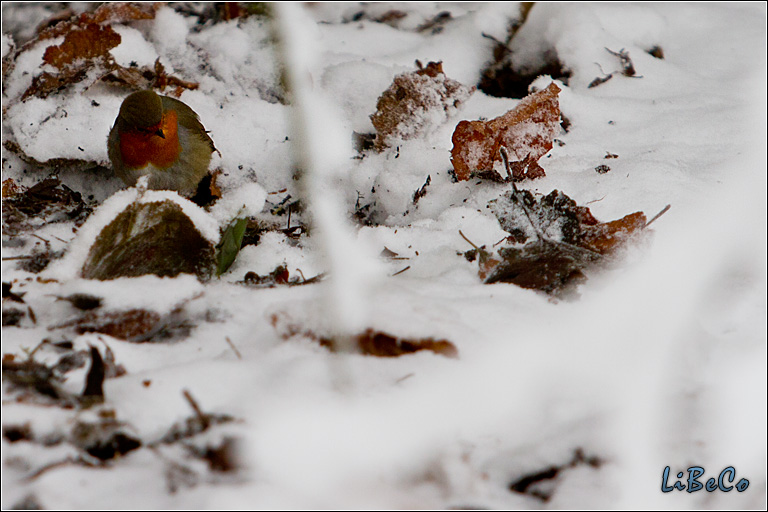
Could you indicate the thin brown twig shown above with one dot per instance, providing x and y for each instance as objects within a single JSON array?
[
  {"x": 468, "y": 241},
  {"x": 234, "y": 348},
  {"x": 662, "y": 212},
  {"x": 204, "y": 419}
]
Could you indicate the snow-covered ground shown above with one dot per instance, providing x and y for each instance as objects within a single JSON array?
[{"x": 660, "y": 360}]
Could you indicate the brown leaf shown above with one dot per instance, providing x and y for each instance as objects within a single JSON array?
[
  {"x": 150, "y": 238},
  {"x": 90, "y": 42},
  {"x": 163, "y": 80},
  {"x": 378, "y": 343},
  {"x": 407, "y": 109},
  {"x": 46, "y": 83},
  {"x": 561, "y": 240},
  {"x": 370, "y": 342},
  {"x": 106, "y": 13},
  {"x": 118, "y": 324},
  {"x": 606, "y": 237},
  {"x": 30, "y": 375},
  {"x": 527, "y": 132},
  {"x": 10, "y": 188}
]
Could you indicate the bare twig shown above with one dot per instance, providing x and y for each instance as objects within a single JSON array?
[
  {"x": 468, "y": 241},
  {"x": 74, "y": 461},
  {"x": 505, "y": 159},
  {"x": 662, "y": 212},
  {"x": 596, "y": 200},
  {"x": 205, "y": 420},
  {"x": 234, "y": 348}
]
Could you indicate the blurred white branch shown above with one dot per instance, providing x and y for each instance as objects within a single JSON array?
[{"x": 321, "y": 152}]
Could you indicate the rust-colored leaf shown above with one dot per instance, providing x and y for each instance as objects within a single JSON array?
[
  {"x": 607, "y": 236},
  {"x": 163, "y": 80},
  {"x": 527, "y": 132},
  {"x": 414, "y": 102},
  {"x": 91, "y": 42},
  {"x": 106, "y": 13},
  {"x": 10, "y": 188},
  {"x": 378, "y": 343},
  {"x": 370, "y": 342}
]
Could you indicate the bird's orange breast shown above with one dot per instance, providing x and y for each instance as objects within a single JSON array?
[{"x": 139, "y": 148}]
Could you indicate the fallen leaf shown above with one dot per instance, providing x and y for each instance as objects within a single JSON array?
[
  {"x": 415, "y": 102},
  {"x": 90, "y": 42},
  {"x": 554, "y": 240},
  {"x": 370, "y": 342},
  {"x": 527, "y": 132},
  {"x": 150, "y": 238},
  {"x": 378, "y": 343},
  {"x": 107, "y": 13},
  {"x": 125, "y": 325}
]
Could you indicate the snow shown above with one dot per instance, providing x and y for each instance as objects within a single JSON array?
[
  {"x": 246, "y": 201},
  {"x": 660, "y": 361},
  {"x": 133, "y": 48}
]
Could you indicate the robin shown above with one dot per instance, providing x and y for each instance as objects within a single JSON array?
[{"x": 160, "y": 137}]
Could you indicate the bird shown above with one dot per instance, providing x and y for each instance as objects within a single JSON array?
[{"x": 160, "y": 137}]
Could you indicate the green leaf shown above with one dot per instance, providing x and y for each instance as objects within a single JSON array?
[{"x": 230, "y": 244}]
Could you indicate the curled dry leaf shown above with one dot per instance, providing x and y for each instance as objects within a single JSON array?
[
  {"x": 90, "y": 42},
  {"x": 555, "y": 240},
  {"x": 378, "y": 343},
  {"x": 88, "y": 39},
  {"x": 527, "y": 131},
  {"x": 118, "y": 324},
  {"x": 370, "y": 342},
  {"x": 134, "y": 325},
  {"x": 415, "y": 102},
  {"x": 106, "y": 14}
]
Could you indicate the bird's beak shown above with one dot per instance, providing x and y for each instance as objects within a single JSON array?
[{"x": 160, "y": 134}]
